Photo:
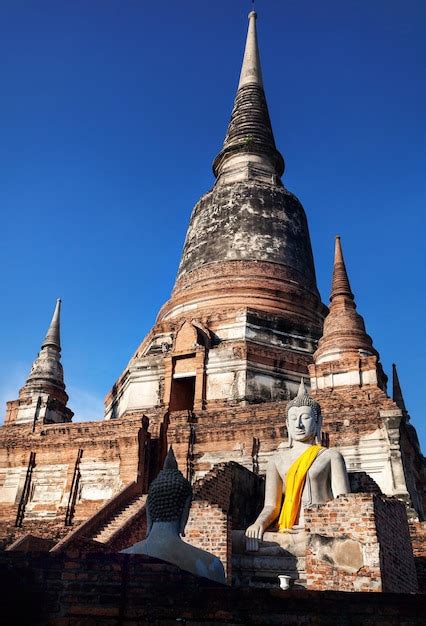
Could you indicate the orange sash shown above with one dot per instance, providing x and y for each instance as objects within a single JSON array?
[{"x": 295, "y": 482}]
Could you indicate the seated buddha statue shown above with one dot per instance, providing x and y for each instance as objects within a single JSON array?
[
  {"x": 303, "y": 472},
  {"x": 168, "y": 505}
]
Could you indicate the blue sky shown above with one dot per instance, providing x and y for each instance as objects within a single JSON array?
[{"x": 112, "y": 112}]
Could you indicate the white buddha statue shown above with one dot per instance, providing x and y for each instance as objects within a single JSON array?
[
  {"x": 303, "y": 471},
  {"x": 168, "y": 505}
]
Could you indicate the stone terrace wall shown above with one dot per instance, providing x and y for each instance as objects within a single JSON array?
[
  {"x": 226, "y": 434},
  {"x": 80, "y": 589},
  {"x": 110, "y": 459},
  {"x": 360, "y": 542}
]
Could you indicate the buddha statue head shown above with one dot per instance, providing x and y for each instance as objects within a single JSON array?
[
  {"x": 304, "y": 420},
  {"x": 169, "y": 496}
]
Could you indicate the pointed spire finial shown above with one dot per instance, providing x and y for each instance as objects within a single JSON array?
[
  {"x": 304, "y": 399},
  {"x": 249, "y": 138},
  {"x": 397, "y": 396},
  {"x": 53, "y": 337},
  {"x": 340, "y": 284},
  {"x": 302, "y": 389},
  {"x": 170, "y": 462},
  {"x": 251, "y": 72}
]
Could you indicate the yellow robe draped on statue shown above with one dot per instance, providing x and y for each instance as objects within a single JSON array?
[{"x": 295, "y": 482}]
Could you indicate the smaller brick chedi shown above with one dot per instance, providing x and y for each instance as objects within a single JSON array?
[
  {"x": 43, "y": 397},
  {"x": 214, "y": 378}
]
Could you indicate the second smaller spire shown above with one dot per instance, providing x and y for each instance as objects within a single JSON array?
[{"x": 344, "y": 328}]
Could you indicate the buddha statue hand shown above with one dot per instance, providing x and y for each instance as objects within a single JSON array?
[
  {"x": 256, "y": 530},
  {"x": 254, "y": 534}
]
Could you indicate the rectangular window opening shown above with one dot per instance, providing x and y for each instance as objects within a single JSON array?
[{"x": 182, "y": 394}]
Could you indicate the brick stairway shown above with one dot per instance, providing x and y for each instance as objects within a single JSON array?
[{"x": 107, "y": 530}]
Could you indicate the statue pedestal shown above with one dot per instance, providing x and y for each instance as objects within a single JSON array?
[{"x": 278, "y": 553}]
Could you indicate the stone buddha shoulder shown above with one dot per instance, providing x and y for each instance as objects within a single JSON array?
[
  {"x": 168, "y": 505},
  {"x": 303, "y": 471}
]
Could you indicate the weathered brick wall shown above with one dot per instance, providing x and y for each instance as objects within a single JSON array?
[
  {"x": 228, "y": 432},
  {"x": 343, "y": 551},
  {"x": 101, "y": 443},
  {"x": 235, "y": 489},
  {"x": 418, "y": 541},
  {"x": 112, "y": 450},
  {"x": 210, "y": 528},
  {"x": 117, "y": 441},
  {"x": 359, "y": 542},
  {"x": 227, "y": 498},
  {"x": 83, "y": 589},
  {"x": 350, "y": 412},
  {"x": 47, "y": 529},
  {"x": 216, "y": 486},
  {"x": 396, "y": 553},
  {"x": 361, "y": 482}
]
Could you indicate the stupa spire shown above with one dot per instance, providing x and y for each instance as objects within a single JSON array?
[
  {"x": 47, "y": 366},
  {"x": 397, "y": 396},
  {"x": 53, "y": 335},
  {"x": 344, "y": 329},
  {"x": 246, "y": 264},
  {"x": 340, "y": 283},
  {"x": 249, "y": 149},
  {"x": 43, "y": 397},
  {"x": 248, "y": 231},
  {"x": 251, "y": 71}
]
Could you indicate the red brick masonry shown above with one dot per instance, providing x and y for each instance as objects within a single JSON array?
[
  {"x": 360, "y": 542},
  {"x": 78, "y": 588}
]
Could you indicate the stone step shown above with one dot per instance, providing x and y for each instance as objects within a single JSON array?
[{"x": 118, "y": 519}]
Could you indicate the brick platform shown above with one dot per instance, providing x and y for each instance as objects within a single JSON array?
[{"x": 77, "y": 589}]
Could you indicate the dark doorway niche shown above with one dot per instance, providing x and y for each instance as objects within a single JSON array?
[{"x": 182, "y": 394}]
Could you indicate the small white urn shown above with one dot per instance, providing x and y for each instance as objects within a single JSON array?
[{"x": 285, "y": 581}]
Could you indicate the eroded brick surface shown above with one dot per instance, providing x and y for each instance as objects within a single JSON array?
[{"x": 360, "y": 542}]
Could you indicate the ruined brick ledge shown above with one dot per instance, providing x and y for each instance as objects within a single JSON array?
[{"x": 112, "y": 589}]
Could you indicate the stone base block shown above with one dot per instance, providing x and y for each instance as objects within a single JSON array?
[{"x": 263, "y": 571}]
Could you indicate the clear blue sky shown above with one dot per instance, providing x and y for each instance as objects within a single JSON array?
[{"x": 112, "y": 112}]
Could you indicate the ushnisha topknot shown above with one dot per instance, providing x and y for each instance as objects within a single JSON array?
[
  {"x": 168, "y": 493},
  {"x": 304, "y": 399}
]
